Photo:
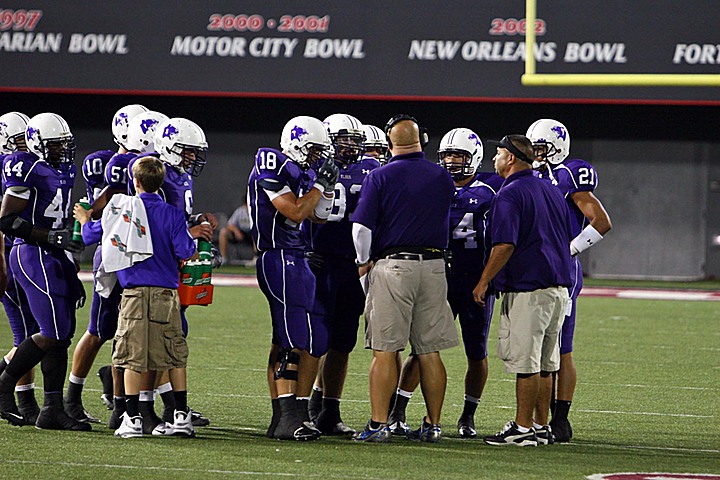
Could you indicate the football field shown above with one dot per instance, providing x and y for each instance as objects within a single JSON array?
[{"x": 647, "y": 400}]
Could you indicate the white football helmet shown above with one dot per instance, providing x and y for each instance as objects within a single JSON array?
[
  {"x": 182, "y": 144},
  {"x": 550, "y": 139},
  {"x": 12, "y": 129},
  {"x": 49, "y": 137},
  {"x": 141, "y": 128},
  {"x": 376, "y": 143},
  {"x": 121, "y": 121},
  {"x": 305, "y": 140},
  {"x": 465, "y": 142},
  {"x": 347, "y": 136}
]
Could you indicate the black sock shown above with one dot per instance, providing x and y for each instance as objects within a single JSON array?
[
  {"x": 275, "y": 407},
  {"x": 3, "y": 364},
  {"x": 331, "y": 406},
  {"x": 181, "y": 400},
  {"x": 54, "y": 368},
  {"x": 562, "y": 408},
  {"x": 469, "y": 408},
  {"x": 401, "y": 402},
  {"x": 132, "y": 405},
  {"x": 119, "y": 405},
  {"x": 315, "y": 404},
  {"x": 302, "y": 408},
  {"x": 53, "y": 399},
  {"x": 170, "y": 400},
  {"x": 374, "y": 425},
  {"x": 26, "y": 398},
  {"x": 74, "y": 392},
  {"x": 27, "y": 355},
  {"x": 288, "y": 406},
  {"x": 393, "y": 399},
  {"x": 145, "y": 407}
]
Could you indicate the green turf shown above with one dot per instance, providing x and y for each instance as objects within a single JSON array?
[{"x": 647, "y": 400}]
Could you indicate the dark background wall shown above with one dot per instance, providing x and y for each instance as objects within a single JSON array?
[{"x": 657, "y": 164}]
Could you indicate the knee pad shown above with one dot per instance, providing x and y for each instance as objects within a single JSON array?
[{"x": 285, "y": 358}]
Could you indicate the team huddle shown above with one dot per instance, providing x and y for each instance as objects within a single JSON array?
[
  {"x": 342, "y": 201},
  {"x": 347, "y": 219}
]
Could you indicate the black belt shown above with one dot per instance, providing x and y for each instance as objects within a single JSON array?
[{"x": 414, "y": 256}]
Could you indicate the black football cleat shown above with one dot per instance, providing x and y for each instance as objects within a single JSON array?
[{"x": 53, "y": 417}]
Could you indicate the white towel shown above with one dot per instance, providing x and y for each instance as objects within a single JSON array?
[{"x": 126, "y": 239}]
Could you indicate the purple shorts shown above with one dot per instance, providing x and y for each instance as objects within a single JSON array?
[
  {"x": 22, "y": 323},
  {"x": 474, "y": 319},
  {"x": 289, "y": 286},
  {"x": 568, "y": 329},
  {"x": 339, "y": 302},
  {"x": 49, "y": 281},
  {"x": 104, "y": 311}
]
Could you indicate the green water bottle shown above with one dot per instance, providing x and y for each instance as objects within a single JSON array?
[
  {"x": 205, "y": 253},
  {"x": 77, "y": 229}
]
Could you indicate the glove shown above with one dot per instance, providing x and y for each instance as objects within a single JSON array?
[
  {"x": 82, "y": 296},
  {"x": 327, "y": 175},
  {"x": 217, "y": 259},
  {"x": 315, "y": 260},
  {"x": 63, "y": 239}
]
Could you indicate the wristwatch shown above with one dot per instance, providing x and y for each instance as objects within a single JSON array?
[{"x": 360, "y": 264}]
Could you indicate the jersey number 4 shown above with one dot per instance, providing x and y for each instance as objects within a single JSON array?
[
  {"x": 56, "y": 209},
  {"x": 466, "y": 230}
]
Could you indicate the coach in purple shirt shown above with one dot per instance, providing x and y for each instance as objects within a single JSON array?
[
  {"x": 402, "y": 222},
  {"x": 530, "y": 264}
]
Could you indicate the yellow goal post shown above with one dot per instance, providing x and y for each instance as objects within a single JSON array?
[{"x": 532, "y": 79}]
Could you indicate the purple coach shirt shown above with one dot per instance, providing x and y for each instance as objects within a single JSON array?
[
  {"x": 406, "y": 203},
  {"x": 531, "y": 214}
]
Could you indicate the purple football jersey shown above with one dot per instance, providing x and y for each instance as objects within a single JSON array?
[
  {"x": 468, "y": 224},
  {"x": 176, "y": 190},
  {"x": 93, "y": 169},
  {"x": 274, "y": 171},
  {"x": 116, "y": 171},
  {"x": 575, "y": 175},
  {"x": 49, "y": 189},
  {"x": 335, "y": 236},
  {"x": 8, "y": 239}
]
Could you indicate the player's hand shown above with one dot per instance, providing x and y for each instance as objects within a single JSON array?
[
  {"x": 315, "y": 260},
  {"x": 479, "y": 293},
  {"x": 204, "y": 231},
  {"x": 81, "y": 215},
  {"x": 62, "y": 238},
  {"x": 327, "y": 175},
  {"x": 210, "y": 218},
  {"x": 365, "y": 268}
]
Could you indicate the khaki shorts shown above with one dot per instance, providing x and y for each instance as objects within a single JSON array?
[
  {"x": 149, "y": 334},
  {"x": 407, "y": 301},
  {"x": 529, "y": 329}
]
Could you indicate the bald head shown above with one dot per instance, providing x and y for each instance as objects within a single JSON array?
[{"x": 405, "y": 137}]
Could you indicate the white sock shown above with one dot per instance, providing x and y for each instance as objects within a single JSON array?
[
  {"x": 76, "y": 380},
  {"x": 146, "y": 395},
  {"x": 165, "y": 387},
  {"x": 404, "y": 393}
]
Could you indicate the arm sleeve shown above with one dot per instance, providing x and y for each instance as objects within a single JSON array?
[
  {"x": 183, "y": 243},
  {"x": 362, "y": 238},
  {"x": 92, "y": 232}
]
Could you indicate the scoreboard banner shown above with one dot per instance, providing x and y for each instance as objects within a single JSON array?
[{"x": 469, "y": 50}]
